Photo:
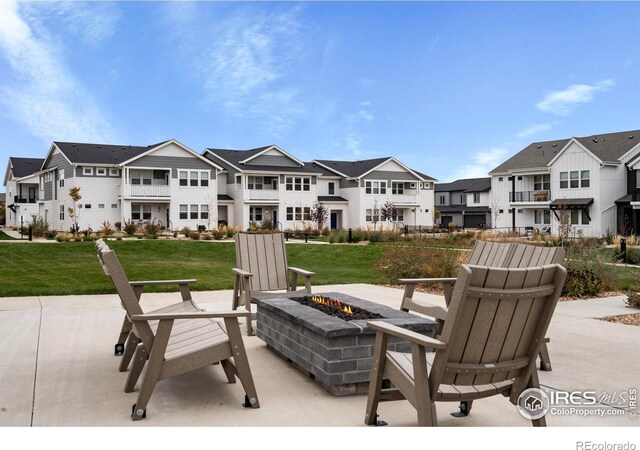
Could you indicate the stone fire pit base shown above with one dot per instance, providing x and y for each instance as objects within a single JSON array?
[{"x": 336, "y": 353}]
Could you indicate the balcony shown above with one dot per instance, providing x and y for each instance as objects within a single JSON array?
[
  {"x": 146, "y": 190},
  {"x": 18, "y": 199},
  {"x": 529, "y": 196},
  {"x": 404, "y": 199},
  {"x": 263, "y": 194}
]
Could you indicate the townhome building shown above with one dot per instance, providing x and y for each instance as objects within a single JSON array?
[
  {"x": 582, "y": 182},
  {"x": 166, "y": 182},
  {"x": 464, "y": 202},
  {"x": 21, "y": 190},
  {"x": 368, "y": 185}
]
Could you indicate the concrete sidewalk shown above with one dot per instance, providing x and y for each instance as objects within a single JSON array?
[{"x": 57, "y": 368}]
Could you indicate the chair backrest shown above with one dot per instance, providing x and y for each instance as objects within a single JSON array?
[
  {"x": 112, "y": 267},
  {"x": 265, "y": 256},
  {"x": 496, "y": 324},
  {"x": 498, "y": 254}
]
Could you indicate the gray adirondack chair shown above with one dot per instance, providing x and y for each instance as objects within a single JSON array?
[
  {"x": 262, "y": 269},
  {"x": 178, "y": 339},
  {"x": 491, "y": 254},
  {"x": 127, "y": 342},
  {"x": 493, "y": 331}
]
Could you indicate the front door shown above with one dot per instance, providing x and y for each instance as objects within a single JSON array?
[
  {"x": 274, "y": 217},
  {"x": 168, "y": 222},
  {"x": 334, "y": 220},
  {"x": 32, "y": 195}
]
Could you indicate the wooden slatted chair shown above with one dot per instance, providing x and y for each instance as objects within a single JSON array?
[
  {"x": 491, "y": 254},
  {"x": 262, "y": 268},
  {"x": 493, "y": 331},
  {"x": 127, "y": 342},
  {"x": 178, "y": 339}
]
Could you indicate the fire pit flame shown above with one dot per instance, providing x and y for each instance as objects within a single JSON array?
[{"x": 319, "y": 299}]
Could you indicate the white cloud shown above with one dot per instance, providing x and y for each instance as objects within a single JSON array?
[
  {"x": 40, "y": 92},
  {"x": 366, "y": 115},
  {"x": 482, "y": 163},
  {"x": 246, "y": 69},
  {"x": 535, "y": 129},
  {"x": 562, "y": 103},
  {"x": 367, "y": 83}
]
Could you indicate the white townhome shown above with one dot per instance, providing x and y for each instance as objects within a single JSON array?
[
  {"x": 367, "y": 185},
  {"x": 21, "y": 185},
  {"x": 464, "y": 202},
  {"x": 582, "y": 179},
  {"x": 166, "y": 182}
]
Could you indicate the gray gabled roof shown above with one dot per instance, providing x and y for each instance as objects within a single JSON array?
[
  {"x": 355, "y": 169},
  {"x": 233, "y": 158},
  {"x": 465, "y": 185},
  {"x": 23, "y": 167},
  {"x": 606, "y": 147},
  {"x": 81, "y": 153}
]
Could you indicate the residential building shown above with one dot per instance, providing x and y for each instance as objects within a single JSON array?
[
  {"x": 579, "y": 181},
  {"x": 21, "y": 189},
  {"x": 368, "y": 185},
  {"x": 464, "y": 202},
  {"x": 3, "y": 204},
  {"x": 165, "y": 182}
]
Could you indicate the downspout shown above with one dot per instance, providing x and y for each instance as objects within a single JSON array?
[{"x": 513, "y": 198}]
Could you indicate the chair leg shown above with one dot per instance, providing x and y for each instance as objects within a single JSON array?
[
  {"x": 129, "y": 351},
  {"x": 228, "y": 370},
  {"x": 464, "y": 409},
  {"x": 122, "y": 338},
  {"x": 139, "y": 360},
  {"x": 535, "y": 383},
  {"x": 423, "y": 403},
  {"x": 241, "y": 361},
  {"x": 377, "y": 376},
  {"x": 545, "y": 360}
]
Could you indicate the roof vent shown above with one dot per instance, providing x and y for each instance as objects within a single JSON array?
[
  {"x": 631, "y": 137},
  {"x": 595, "y": 140},
  {"x": 554, "y": 145},
  {"x": 539, "y": 146},
  {"x": 99, "y": 146}
]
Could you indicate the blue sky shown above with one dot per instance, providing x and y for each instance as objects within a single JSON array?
[{"x": 450, "y": 88}]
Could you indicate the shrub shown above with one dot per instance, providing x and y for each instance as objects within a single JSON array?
[
  {"x": 106, "y": 228},
  {"x": 39, "y": 227},
  {"x": 186, "y": 231},
  {"x": 51, "y": 234},
  {"x": 118, "y": 226},
  {"x": 175, "y": 234},
  {"x": 581, "y": 283},
  {"x": 151, "y": 228},
  {"x": 230, "y": 232},
  {"x": 217, "y": 234},
  {"x": 130, "y": 228},
  {"x": 267, "y": 224},
  {"x": 416, "y": 261},
  {"x": 206, "y": 237},
  {"x": 588, "y": 271},
  {"x": 633, "y": 298},
  {"x": 201, "y": 228},
  {"x": 195, "y": 235},
  {"x": 93, "y": 237},
  {"x": 325, "y": 231}
]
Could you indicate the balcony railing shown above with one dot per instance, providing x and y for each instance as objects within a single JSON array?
[
  {"x": 18, "y": 199},
  {"x": 263, "y": 194},
  {"x": 529, "y": 196},
  {"x": 404, "y": 199},
  {"x": 138, "y": 190}
]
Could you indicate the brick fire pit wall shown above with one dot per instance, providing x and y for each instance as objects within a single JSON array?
[{"x": 335, "y": 352}]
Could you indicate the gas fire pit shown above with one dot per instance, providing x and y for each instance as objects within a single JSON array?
[{"x": 325, "y": 335}]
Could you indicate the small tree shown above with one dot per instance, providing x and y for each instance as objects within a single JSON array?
[
  {"x": 74, "y": 211},
  {"x": 436, "y": 216},
  {"x": 389, "y": 211},
  {"x": 3, "y": 214},
  {"x": 319, "y": 214}
]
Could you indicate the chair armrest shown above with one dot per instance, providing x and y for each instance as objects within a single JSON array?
[
  {"x": 426, "y": 280},
  {"x": 409, "y": 335},
  {"x": 242, "y": 273},
  {"x": 306, "y": 273},
  {"x": 161, "y": 282},
  {"x": 190, "y": 315}
]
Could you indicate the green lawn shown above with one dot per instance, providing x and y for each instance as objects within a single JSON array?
[
  {"x": 5, "y": 237},
  {"x": 72, "y": 268}
]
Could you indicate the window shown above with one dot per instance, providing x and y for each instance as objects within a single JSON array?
[
  {"x": 289, "y": 213},
  {"x": 375, "y": 187},
  {"x": 575, "y": 214},
  {"x": 193, "y": 179},
  {"x": 204, "y": 179},
  {"x": 87, "y": 171},
  {"x": 564, "y": 180},
  {"x": 476, "y": 197},
  {"x": 298, "y": 183},
  {"x": 332, "y": 188},
  {"x": 140, "y": 212},
  {"x": 184, "y": 211},
  {"x": 500, "y": 178},
  {"x": 61, "y": 212},
  {"x": 372, "y": 215},
  {"x": 442, "y": 199},
  {"x": 542, "y": 182},
  {"x": 255, "y": 183},
  {"x": 255, "y": 213},
  {"x": 204, "y": 212},
  {"x": 585, "y": 217},
  {"x": 41, "y": 184},
  {"x": 501, "y": 211},
  {"x": 183, "y": 175},
  {"x": 114, "y": 206},
  {"x": 397, "y": 188},
  {"x": 541, "y": 216},
  {"x": 463, "y": 199},
  {"x": 193, "y": 212},
  {"x": 584, "y": 179},
  {"x": 100, "y": 205},
  {"x": 114, "y": 172},
  {"x": 400, "y": 216},
  {"x": 426, "y": 186},
  {"x": 519, "y": 177},
  {"x": 87, "y": 206},
  {"x": 61, "y": 178},
  {"x": 298, "y": 213},
  {"x": 102, "y": 171},
  {"x": 136, "y": 177},
  {"x": 573, "y": 179},
  {"x": 520, "y": 211},
  {"x": 306, "y": 184}
]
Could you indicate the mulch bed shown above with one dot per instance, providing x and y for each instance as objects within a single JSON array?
[{"x": 627, "y": 319}]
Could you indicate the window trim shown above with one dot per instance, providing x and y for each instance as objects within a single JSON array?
[
  {"x": 101, "y": 171},
  {"x": 114, "y": 172},
  {"x": 87, "y": 170}
]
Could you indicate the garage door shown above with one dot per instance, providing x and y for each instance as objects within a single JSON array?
[
  {"x": 444, "y": 220},
  {"x": 475, "y": 221}
]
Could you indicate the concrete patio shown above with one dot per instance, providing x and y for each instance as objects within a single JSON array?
[{"x": 57, "y": 369}]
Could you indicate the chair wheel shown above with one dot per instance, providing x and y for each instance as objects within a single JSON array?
[
  {"x": 141, "y": 413},
  {"x": 119, "y": 349}
]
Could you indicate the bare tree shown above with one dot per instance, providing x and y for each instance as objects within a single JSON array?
[
  {"x": 212, "y": 206},
  {"x": 319, "y": 214},
  {"x": 495, "y": 211},
  {"x": 389, "y": 211}
]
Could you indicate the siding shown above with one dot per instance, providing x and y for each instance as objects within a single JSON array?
[
  {"x": 389, "y": 176},
  {"x": 58, "y": 160},
  {"x": 174, "y": 162},
  {"x": 272, "y": 160}
]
